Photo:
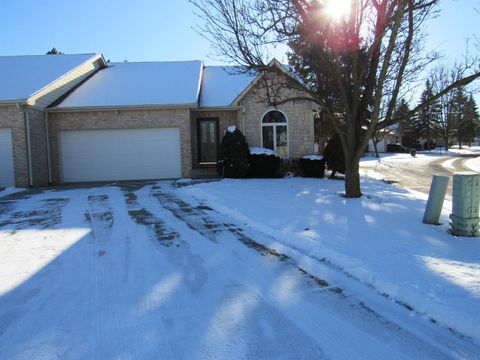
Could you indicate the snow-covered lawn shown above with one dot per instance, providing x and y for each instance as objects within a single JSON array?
[
  {"x": 378, "y": 239},
  {"x": 246, "y": 269}
]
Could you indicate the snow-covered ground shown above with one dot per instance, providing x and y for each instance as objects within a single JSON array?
[
  {"x": 135, "y": 272},
  {"x": 378, "y": 239},
  {"x": 474, "y": 164},
  {"x": 8, "y": 191}
]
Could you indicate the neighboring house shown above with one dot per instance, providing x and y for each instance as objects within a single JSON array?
[
  {"x": 154, "y": 120},
  {"x": 28, "y": 84},
  {"x": 391, "y": 135}
]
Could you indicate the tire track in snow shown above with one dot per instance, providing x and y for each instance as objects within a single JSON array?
[{"x": 209, "y": 227}]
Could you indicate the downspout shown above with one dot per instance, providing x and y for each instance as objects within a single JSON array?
[
  {"x": 47, "y": 138},
  {"x": 29, "y": 148}
]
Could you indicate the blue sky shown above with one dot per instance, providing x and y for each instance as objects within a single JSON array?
[{"x": 152, "y": 30}]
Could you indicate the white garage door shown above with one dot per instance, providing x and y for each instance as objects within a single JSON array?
[
  {"x": 96, "y": 155},
  {"x": 6, "y": 158}
]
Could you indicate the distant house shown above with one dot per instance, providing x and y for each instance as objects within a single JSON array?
[
  {"x": 75, "y": 118},
  {"x": 391, "y": 135}
]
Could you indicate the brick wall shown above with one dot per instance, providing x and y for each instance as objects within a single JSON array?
[
  {"x": 121, "y": 119},
  {"x": 299, "y": 116},
  {"x": 14, "y": 119},
  {"x": 38, "y": 145}
]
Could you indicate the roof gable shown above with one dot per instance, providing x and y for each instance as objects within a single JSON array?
[
  {"x": 139, "y": 84},
  {"x": 272, "y": 63},
  {"x": 21, "y": 77}
]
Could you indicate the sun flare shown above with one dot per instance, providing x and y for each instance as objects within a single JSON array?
[{"x": 337, "y": 9}]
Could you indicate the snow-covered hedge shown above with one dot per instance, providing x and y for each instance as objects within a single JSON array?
[
  {"x": 312, "y": 166},
  {"x": 264, "y": 163}
]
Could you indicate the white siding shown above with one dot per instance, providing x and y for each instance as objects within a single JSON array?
[{"x": 63, "y": 85}]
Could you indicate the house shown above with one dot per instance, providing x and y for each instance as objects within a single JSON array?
[
  {"x": 391, "y": 135},
  {"x": 138, "y": 120}
]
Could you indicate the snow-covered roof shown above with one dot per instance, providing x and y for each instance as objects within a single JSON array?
[
  {"x": 139, "y": 84},
  {"x": 23, "y": 76},
  {"x": 221, "y": 85}
]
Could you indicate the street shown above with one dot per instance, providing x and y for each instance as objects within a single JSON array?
[{"x": 417, "y": 175}]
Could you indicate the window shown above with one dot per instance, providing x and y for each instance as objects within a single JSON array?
[{"x": 275, "y": 132}]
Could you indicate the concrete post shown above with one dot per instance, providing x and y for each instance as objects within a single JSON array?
[
  {"x": 465, "y": 217},
  {"x": 436, "y": 197}
]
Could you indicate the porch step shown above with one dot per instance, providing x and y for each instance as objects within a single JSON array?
[{"x": 204, "y": 173}]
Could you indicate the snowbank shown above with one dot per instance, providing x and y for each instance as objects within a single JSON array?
[
  {"x": 379, "y": 240},
  {"x": 474, "y": 164},
  {"x": 8, "y": 191}
]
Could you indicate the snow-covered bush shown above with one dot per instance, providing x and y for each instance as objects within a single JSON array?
[
  {"x": 233, "y": 154},
  {"x": 312, "y": 166},
  {"x": 263, "y": 162}
]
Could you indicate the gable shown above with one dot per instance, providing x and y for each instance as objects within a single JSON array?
[{"x": 33, "y": 76}]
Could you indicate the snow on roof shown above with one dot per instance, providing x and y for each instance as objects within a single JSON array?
[
  {"x": 222, "y": 84},
  {"x": 139, "y": 84},
  {"x": 23, "y": 76}
]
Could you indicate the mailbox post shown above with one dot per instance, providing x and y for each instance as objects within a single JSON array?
[{"x": 465, "y": 217}]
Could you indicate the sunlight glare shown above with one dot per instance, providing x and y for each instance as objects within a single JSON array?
[{"x": 337, "y": 8}]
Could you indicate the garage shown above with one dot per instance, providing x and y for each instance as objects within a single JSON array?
[
  {"x": 6, "y": 158},
  {"x": 127, "y": 154}
]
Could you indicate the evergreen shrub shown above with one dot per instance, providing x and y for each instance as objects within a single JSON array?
[
  {"x": 233, "y": 154},
  {"x": 263, "y": 164},
  {"x": 334, "y": 156},
  {"x": 312, "y": 167}
]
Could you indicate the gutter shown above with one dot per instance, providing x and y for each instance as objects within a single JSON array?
[
  {"x": 124, "y": 107},
  {"x": 16, "y": 103}
]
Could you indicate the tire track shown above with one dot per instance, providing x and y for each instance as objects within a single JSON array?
[{"x": 202, "y": 217}]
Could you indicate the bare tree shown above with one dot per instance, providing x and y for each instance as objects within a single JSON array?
[{"x": 355, "y": 66}]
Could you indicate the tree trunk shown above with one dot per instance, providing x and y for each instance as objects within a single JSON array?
[
  {"x": 377, "y": 155},
  {"x": 352, "y": 180}
]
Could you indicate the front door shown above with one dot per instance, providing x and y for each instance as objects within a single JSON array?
[{"x": 207, "y": 133}]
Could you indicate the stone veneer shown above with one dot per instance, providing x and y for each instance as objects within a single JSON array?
[
  {"x": 299, "y": 117},
  {"x": 120, "y": 119}
]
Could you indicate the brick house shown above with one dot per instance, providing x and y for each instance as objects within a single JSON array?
[{"x": 99, "y": 121}]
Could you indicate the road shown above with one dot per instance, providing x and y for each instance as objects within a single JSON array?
[{"x": 417, "y": 175}]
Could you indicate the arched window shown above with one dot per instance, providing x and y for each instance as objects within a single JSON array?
[{"x": 275, "y": 132}]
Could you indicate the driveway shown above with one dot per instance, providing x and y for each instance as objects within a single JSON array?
[{"x": 131, "y": 271}]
